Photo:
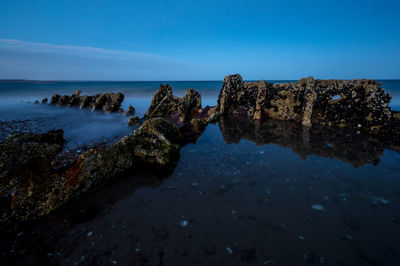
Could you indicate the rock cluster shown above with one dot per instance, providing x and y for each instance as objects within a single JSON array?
[
  {"x": 357, "y": 104},
  {"x": 107, "y": 102},
  {"x": 318, "y": 109}
]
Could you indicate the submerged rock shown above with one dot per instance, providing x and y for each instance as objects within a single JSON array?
[
  {"x": 107, "y": 102},
  {"x": 357, "y": 104}
]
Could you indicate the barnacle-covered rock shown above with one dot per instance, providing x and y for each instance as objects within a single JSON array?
[
  {"x": 358, "y": 104},
  {"x": 107, "y": 102},
  {"x": 178, "y": 109}
]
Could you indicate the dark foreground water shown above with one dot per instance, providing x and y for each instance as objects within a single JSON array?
[{"x": 243, "y": 194}]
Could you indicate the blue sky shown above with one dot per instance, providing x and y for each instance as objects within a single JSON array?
[{"x": 199, "y": 40}]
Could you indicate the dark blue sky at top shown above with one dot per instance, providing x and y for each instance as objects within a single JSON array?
[{"x": 198, "y": 40}]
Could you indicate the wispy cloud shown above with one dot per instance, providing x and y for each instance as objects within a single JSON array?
[{"x": 33, "y": 60}]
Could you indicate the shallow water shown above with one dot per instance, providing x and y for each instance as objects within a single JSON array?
[{"x": 243, "y": 194}]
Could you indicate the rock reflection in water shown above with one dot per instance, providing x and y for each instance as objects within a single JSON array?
[
  {"x": 348, "y": 146},
  {"x": 38, "y": 242}
]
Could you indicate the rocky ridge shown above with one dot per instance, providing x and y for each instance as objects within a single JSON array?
[
  {"x": 31, "y": 187},
  {"x": 107, "y": 102}
]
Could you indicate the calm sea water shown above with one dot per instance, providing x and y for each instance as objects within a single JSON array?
[{"x": 241, "y": 195}]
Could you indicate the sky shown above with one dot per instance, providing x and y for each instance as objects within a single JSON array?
[{"x": 198, "y": 40}]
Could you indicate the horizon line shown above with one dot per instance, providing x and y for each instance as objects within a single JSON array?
[{"x": 204, "y": 80}]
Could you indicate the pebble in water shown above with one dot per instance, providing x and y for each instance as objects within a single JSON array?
[
  {"x": 235, "y": 214},
  {"x": 229, "y": 250},
  {"x": 183, "y": 223},
  {"x": 318, "y": 207}
]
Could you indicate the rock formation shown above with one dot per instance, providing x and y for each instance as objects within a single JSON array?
[
  {"x": 357, "y": 104},
  {"x": 180, "y": 110},
  {"x": 30, "y": 187},
  {"x": 45, "y": 100},
  {"x": 133, "y": 121},
  {"x": 318, "y": 111},
  {"x": 186, "y": 112},
  {"x": 131, "y": 110},
  {"x": 107, "y": 102}
]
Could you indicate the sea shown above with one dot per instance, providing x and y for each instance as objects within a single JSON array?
[{"x": 239, "y": 195}]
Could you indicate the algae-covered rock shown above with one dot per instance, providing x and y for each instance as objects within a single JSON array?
[
  {"x": 25, "y": 168},
  {"x": 31, "y": 187},
  {"x": 156, "y": 141}
]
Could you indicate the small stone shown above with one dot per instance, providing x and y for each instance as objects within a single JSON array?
[
  {"x": 229, "y": 250},
  {"x": 318, "y": 207},
  {"x": 235, "y": 214},
  {"x": 183, "y": 223}
]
